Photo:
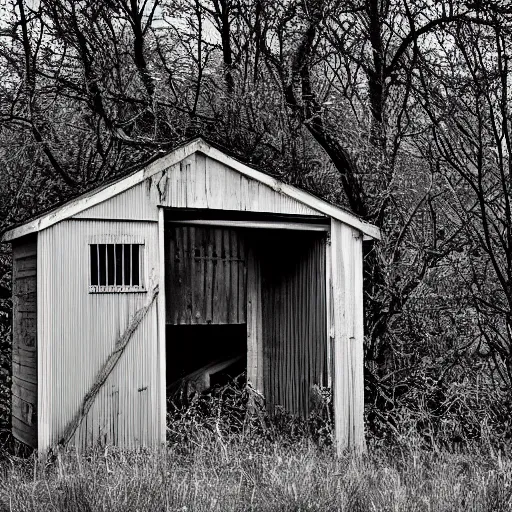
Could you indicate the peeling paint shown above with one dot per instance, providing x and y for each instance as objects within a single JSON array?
[{"x": 162, "y": 186}]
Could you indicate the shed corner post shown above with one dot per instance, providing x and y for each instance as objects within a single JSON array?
[
  {"x": 42, "y": 404},
  {"x": 161, "y": 328},
  {"x": 347, "y": 305},
  {"x": 358, "y": 341}
]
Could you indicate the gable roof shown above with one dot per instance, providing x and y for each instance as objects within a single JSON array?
[{"x": 109, "y": 190}]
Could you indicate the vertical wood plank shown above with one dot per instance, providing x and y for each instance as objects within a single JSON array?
[
  {"x": 195, "y": 176},
  {"x": 244, "y": 193},
  {"x": 232, "y": 191},
  {"x": 242, "y": 276},
  {"x": 200, "y": 190},
  {"x": 259, "y": 329},
  {"x": 170, "y": 258},
  {"x": 267, "y": 334},
  {"x": 182, "y": 184},
  {"x": 266, "y": 198},
  {"x": 228, "y": 290},
  {"x": 321, "y": 279},
  {"x": 348, "y": 364},
  {"x": 199, "y": 289},
  {"x": 308, "y": 281},
  {"x": 289, "y": 384},
  {"x": 254, "y": 328},
  {"x": 177, "y": 293},
  {"x": 190, "y": 274},
  {"x": 251, "y": 331},
  {"x": 216, "y": 179},
  {"x": 174, "y": 174},
  {"x": 341, "y": 357},
  {"x": 209, "y": 179},
  {"x": 161, "y": 330},
  {"x": 349, "y": 304},
  {"x": 328, "y": 316},
  {"x": 253, "y": 193},
  {"x": 358, "y": 343},
  {"x": 218, "y": 278},
  {"x": 233, "y": 269},
  {"x": 184, "y": 277},
  {"x": 209, "y": 277}
]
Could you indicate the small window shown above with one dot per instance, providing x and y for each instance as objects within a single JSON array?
[{"x": 116, "y": 268}]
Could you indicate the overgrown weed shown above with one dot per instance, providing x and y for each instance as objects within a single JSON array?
[
  {"x": 225, "y": 454},
  {"x": 233, "y": 477},
  {"x": 236, "y": 413}
]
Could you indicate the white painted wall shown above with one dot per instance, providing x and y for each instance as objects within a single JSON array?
[
  {"x": 77, "y": 331},
  {"x": 346, "y": 326}
]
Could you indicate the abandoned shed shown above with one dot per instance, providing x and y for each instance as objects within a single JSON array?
[{"x": 193, "y": 263}]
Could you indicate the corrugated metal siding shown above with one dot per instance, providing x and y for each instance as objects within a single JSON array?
[
  {"x": 24, "y": 340},
  {"x": 206, "y": 275},
  {"x": 347, "y": 322},
  {"x": 138, "y": 203},
  {"x": 77, "y": 332},
  {"x": 294, "y": 320}
]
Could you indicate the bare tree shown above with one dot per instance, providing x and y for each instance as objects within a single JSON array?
[
  {"x": 467, "y": 99},
  {"x": 348, "y": 98}
]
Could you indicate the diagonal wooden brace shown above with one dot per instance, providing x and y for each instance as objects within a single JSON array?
[{"x": 106, "y": 369}]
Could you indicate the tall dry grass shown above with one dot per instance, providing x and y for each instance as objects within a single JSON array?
[
  {"x": 225, "y": 475},
  {"x": 219, "y": 458}
]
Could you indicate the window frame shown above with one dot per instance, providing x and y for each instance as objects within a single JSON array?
[{"x": 124, "y": 240}]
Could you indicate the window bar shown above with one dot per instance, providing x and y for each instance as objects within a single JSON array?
[
  {"x": 136, "y": 273},
  {"x": 131, "y": 263},
  {"x": 135, "y": 265},
  {"x": 140, "y": 264},
  {"x": 117, "y": 256},
  {"x": 111, "y": 264},
  {"x": 122, "y": 263},
  {"x": 98, "y": 264},
  {"x": 106, "y": 264}
]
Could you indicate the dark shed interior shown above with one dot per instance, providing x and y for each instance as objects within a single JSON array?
[{"x": 210, "y": 273}]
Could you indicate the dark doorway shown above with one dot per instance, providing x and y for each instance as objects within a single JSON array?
[
  {"x": 200, "y": 356},
  {"x": 205, "y": 307}
]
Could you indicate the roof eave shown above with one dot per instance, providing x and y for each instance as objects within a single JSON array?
[
  {"x": 86, "y": 201},
  {"x": 300, "y": 195}
]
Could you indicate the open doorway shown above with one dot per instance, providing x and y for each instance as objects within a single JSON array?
[
  {"x": 206, "y": 328},
  {"x": 203, "y": 356},
  {"x": 248, "y": 300}
]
